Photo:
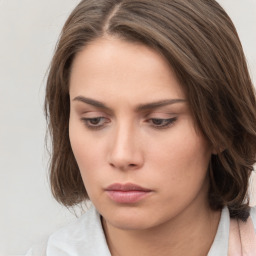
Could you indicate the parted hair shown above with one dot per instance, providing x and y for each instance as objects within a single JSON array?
[{"x": 200, "y": 42}]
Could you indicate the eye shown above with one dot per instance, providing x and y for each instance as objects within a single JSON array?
[
  {"x": 160, "y": 123},
  {"x": 95, "y": 122}
]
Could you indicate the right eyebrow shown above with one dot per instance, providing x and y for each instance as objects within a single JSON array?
[{"x": 92, "y": 102}]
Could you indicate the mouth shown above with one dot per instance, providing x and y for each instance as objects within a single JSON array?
[{"x": 127, "y": 193}]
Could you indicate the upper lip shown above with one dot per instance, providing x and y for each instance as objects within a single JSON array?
[{"x": 126, "y": 187}]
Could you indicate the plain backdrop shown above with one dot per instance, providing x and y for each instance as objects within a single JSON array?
[{"x": 29, "y": 30}]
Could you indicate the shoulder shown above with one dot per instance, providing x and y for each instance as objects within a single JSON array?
[
  {"x": 74, "y": 238},
  {"x": 38, "y": 249},
  {"x": 84, "y": 235},
  {"x": 79, "y": 229},
  {"x": 253, "y": 216}
]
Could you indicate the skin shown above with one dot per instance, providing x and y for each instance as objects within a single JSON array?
[{"x": 123, "y": 142}]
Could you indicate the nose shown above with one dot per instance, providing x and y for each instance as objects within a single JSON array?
[{"x": 125, "y": 150}]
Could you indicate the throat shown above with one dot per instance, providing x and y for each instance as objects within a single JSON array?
[{"x": 192, "y": 237}]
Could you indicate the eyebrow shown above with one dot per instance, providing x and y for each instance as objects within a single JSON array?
[
  {"x": 158, "y": 104},
  {"x": 140, "y": 107},
  {"x": 92, "y": 102}
]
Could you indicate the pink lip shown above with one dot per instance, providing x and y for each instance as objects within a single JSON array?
[{"x": 126, "y": 193}]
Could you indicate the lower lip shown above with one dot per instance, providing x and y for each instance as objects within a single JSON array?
[{"x": 127, "y": 197}]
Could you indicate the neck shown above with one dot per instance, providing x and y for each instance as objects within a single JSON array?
[{"x": 191, "y": 233}]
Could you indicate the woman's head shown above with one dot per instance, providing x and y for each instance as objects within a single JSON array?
[
  {"x": 137, "y": 123},
  {"x": 200, "y": 44}
]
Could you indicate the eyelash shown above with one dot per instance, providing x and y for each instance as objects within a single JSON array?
[
  {"x": 87, "y": 122},
  {"x": 167, "y": 122}
]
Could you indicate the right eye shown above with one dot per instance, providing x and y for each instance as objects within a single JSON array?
[{"x": 95, "y": 122}]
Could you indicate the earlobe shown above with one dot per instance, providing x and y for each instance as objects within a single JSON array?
[{"x": 216, "y": 151}]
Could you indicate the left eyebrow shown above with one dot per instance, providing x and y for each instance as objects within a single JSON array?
[{"x": 158, "y": 104}]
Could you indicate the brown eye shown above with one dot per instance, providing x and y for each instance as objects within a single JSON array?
[
  {"x": 95, "y": 122},
  {"x": 160, "y": 123}
]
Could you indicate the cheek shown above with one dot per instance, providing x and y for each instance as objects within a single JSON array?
[
  {"x": 182, "y": 158},
  {"x": 85, "y": 149},
  {"x": 88, "y": 160}
]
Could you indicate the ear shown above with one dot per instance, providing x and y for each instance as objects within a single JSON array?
[{"x": 216, "y": 151}]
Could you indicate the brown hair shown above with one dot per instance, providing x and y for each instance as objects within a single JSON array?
[{"x": 201, "y": 44}]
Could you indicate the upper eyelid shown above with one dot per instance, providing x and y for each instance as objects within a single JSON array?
[
  {"x": 94, "y": 114},
  {"x": 91, "y": 110},
  {"x": 164, "y": 119},
  {"x": 88, "y": 119},
  {"x": 160, "y": 115}
]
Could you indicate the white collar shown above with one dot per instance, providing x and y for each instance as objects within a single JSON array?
[
  {"x": 86, "y": 235},
  {"x": 220, "y": 243}
]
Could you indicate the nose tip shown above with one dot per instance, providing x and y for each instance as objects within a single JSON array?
[
  {"x": 125, "y": 153},
  {"x": 125, "y": 159}
]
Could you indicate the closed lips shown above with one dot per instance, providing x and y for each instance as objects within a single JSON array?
[
  {"x": 126, "y": 187},
  {"x": 127, "y": 193}
]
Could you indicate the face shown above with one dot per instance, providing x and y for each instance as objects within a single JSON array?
[{"x": 132, "y": 133}]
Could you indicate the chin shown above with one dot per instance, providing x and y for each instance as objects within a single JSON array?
[
  {"x": 130, "y": 219},
  {"x": 129, "y": 223}
]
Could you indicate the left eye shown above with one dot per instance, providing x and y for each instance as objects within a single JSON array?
[{"x": 162, "y": 123}]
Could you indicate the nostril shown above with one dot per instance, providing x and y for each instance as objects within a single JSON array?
[{"x": 123, "y": 166}]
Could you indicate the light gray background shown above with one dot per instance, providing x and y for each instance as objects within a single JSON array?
[{"x": 28, "y": 32}]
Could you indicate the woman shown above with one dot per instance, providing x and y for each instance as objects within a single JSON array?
[{"x": 153, "y": 118}]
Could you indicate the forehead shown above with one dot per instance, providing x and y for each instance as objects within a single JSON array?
[{"x": 113, "y": 67}]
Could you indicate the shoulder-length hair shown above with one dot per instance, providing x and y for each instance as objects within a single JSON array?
[{"x": 201, "y": 44}]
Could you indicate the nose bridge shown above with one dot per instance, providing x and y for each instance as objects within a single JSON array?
[{"x": 125, "y": 152}]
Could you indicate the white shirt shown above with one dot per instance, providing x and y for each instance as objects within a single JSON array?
[{"x": 85, "y": 237}]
